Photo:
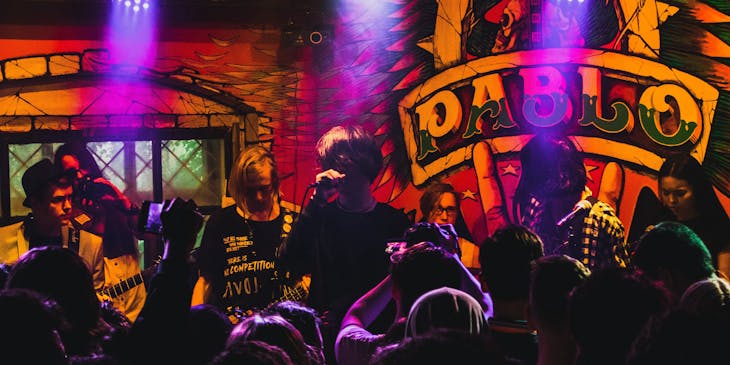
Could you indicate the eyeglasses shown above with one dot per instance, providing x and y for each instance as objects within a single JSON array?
[{"x": 450, "y": 211}]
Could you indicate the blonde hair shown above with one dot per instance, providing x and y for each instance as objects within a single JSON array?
[{"x": 251, "y": 162}]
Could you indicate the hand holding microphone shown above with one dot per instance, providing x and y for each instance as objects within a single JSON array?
[
  {"x": 325, "y": 184},
  {"x": 580, "y": 207}
]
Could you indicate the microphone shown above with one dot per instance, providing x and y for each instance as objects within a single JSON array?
[
  {"x": 324, "y": 181},
  {"x": 579, "y": 207}
]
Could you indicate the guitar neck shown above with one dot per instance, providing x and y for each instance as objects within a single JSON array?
[{"x": 123, "y": 286}]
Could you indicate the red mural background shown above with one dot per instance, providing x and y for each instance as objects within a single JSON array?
[{"x": 420, "y": 75}]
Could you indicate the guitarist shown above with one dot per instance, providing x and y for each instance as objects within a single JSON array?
[
  {"x": 100, "y": 207},
  {"x": 239, "y": 271}
]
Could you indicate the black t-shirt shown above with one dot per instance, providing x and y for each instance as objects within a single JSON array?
[
  {"x": 238, "y": 257},
  {"x": 344, "y": 252}
]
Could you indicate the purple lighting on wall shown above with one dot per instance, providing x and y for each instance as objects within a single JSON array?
[{"x": 131, "y": 31}]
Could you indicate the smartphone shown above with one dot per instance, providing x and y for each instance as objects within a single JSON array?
[{"x": 149, "y": 217}]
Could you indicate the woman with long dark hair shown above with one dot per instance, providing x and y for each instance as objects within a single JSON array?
[{"x": 686, "y": 192}]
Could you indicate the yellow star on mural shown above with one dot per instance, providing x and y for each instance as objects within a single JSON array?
[
  {"x": 468, "y": 194},
  {"x": 588, "y": 171},
  {"x": 509, "y": 170}
]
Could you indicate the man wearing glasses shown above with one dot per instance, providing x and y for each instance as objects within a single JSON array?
[
  {"x": 239, "y": 271},
  {"x": 440, "y": 204}
]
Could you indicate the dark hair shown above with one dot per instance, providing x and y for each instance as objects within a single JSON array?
[
  {"x": 251, "y": 353},
  {"x": 687, "y": 168},
  {"x": 674, "y": 247},
  {"x": 421, "y": 268},
  {"x": 552, "y": 279},
  {"x": 63, "y": 276},
  {"x": 599, "y": 311},
  {"x": 81, "y": 152},
  {"x": 432, "y": 195},
  {"x": 208, "y": 328},
  {"x": 350, "y": 147},
  {"x": 303, "y": 318},
  {"x": 273, "y": 330},
  {"x": 551, "y": 166},
  {"x": 505, "y": 258},
  {"x": 30, "y": 326}
]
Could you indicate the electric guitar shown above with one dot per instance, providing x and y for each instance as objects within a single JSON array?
[
  {"x": 111, "y": 292},
  {"x": 297, "y": 294}
]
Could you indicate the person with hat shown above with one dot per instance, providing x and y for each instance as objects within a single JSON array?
[{"x": 49, "y": 196}]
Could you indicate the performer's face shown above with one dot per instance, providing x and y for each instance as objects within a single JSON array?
[
  {"x": 678, "y": 196},
  {"x": 260, "y": 191},
  {"x": 445, "y": 211},
  {"x": 54, "y": 208}
]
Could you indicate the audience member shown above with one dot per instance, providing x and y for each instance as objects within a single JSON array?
[
  {"x": 341, "y": 242},
  {"x": 208, "y": 329},
  {"x": 673, "y": 254},
  {"x": 30, "y": 329},
  {"x": 609, "y": 310},
  {"x": 246, "y": 235},
  {"x": 304, "y": 319},
  {"x": 100, "y": 207},
  {"x": 49, "y": 196},
  {"x": 442, "y": 346},
  {"x": 414, "y": 271},
  {"x": 60, "y": 274},
  {"x": 710, "y": 296},
  {"x": 505, "y": 258},
  {"x": 548, "y": 192},
  {"x": 252, "y": 353},
  {"x": 273, "y": 330},
  {"x": 441, "y": 204},
  {"x": 552, "y": 279},
  {"x": 445, "y": 308}
]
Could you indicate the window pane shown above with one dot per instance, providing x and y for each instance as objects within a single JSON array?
[
  {"x": 21, "y": 157},
  {"x": 193, "y": 169}
]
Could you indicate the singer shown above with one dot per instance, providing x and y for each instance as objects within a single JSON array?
[
  {"x": 553, "y": 200},
  {"x": 340, "y": 237}
]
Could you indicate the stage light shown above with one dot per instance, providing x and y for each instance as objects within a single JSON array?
[
  {"x": 135, "y": 8},
  {"x": 127, "y": 3}
]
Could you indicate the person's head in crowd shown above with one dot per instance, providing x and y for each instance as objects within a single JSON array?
[
  {"x": 505, "y": 258},
  {"x": 302, "y": 317},
  {"x": 77, "y": 158},
  {"x": 420, "y": 268},
  {"x": 445, "y": 308},
  {"x": 350, "y": 150},
  {"x": 276, "y": 331},
  {"x": 208, "y": 329},
  {"x": 563, "y": 179},
  {"x": 30, "y": 329},
  {"x": 441, "y": 346},
  {"x": 254, "y": 180},
  {"x": 552, "y": 279},
  {"x": 62, "y": 275},
  {"x": 609, "y": 310},
  {"x": 251, "y": 353},
  {"x": 674, "y": 255},
  {"x": 685, "y": 189},
  {"x": 48, "y": 195},
  {"x": 440, "y": 204},
  {"x": 708, "y": 296}
]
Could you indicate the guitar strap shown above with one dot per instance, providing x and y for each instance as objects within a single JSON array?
[{"x": 71, "y": 238}]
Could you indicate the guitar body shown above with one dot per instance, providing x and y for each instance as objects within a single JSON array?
[{"x": 124, "y": 285}]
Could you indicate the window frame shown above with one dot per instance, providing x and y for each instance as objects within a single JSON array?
[{"x": 156, "y": 136}]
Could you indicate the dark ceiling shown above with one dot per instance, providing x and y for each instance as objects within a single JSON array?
[{"x": 191, "y": 13}]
